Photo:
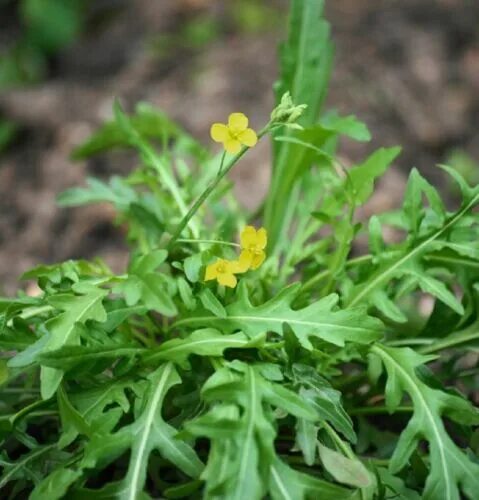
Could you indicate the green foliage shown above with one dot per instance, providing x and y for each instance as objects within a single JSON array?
[{"x": 320, "y": 376}]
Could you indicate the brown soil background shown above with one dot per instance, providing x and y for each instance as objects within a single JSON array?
[{"x": 408, "y": 68}]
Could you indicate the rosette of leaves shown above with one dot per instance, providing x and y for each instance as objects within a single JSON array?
[{"x": 319, "y": 377}]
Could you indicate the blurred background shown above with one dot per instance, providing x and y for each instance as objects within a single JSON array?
[{"x": 408, "y": 68}]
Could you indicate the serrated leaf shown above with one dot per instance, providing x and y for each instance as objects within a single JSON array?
[
  {"x": 242, "y": 444},
  {"x": 146, "y": 285},
  {"x": 393, "y": 265},
  {"x": 433, "y": 286},
  {"x": 150, "y": 431},
  {"x": 147, "y": 433},
  {"x": 324, "y": 399},
  {"x": 450, "y": 467},
  {"x": 206, "y": 342},
  {"x": 25, "y": 466},
  {"x": 289, "y": 484},
  {"x": 363, "y": 176},
  {"x": 68, "y": 357},
  {"x": 346, "y": 125},
  {"x": 62, "y": 328},
  {"x": 319, "y": 320},
  {"x": 148, "y": 121}
]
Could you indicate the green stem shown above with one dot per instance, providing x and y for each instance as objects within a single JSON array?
[
  {"x": 340, "y": 444},
  {"x": 30, "y": 312},
  {"x": 341, "y": 253},
  {"x": 382, "y": 277},
  {"x": 28, "y": 409},
  {"x": 324, "y": 274},
  {"x": 453, "y": 340},
  {"x": 206, "y": 193},
  {"x": 343, "y": 447},
  {"x": 211, "y": 242},
  {"x": 378, "y": 410},
  {"x": 408, "y": 342},
  {"x": 222, "y": 162}
]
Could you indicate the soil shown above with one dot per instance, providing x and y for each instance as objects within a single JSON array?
[{"x": 408, "y": 68}]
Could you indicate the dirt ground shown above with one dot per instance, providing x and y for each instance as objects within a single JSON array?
[{"x": 408, "y": 68}]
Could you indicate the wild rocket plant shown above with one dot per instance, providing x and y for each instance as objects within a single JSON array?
[{"x": 282, "y": 354}]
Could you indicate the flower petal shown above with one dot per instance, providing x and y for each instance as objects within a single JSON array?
[
  {"x": 219, "y": 132},
  {"x": 244, "y": 261},
  {"x": 248, "y": 137},
  {"x": 248, "y": 237},
  {"x": 237, "y": 122},
  {"x": 232, "y": 146},
  {"x": 261, "y": 238},
  {"x": 258, "y": 259},
  {"x": 211, "y": 272},
  {"x": 227, "y": 279}
]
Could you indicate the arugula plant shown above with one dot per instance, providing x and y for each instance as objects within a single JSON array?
[{"x": 297, "y": 363}]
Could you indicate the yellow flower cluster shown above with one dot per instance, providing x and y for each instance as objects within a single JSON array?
[{"x": 253, "y": 243}]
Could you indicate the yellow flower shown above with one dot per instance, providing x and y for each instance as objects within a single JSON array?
[
  {"x": 253, "y": 243},
  {"x": 223, "y": 271},
  {"x": 235, "y": 134}
]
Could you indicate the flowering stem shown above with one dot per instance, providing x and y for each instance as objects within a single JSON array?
[
  {"x": 212, "y": 242},
  {"x": 223, "y": 156},
  {"x": 206, "y": 193}
]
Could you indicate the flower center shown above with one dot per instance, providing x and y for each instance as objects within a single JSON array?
[
  {"x": 234, "y": 133},
  {"x": 221, "y": 268},
  {"x": 254, "y": 249}
]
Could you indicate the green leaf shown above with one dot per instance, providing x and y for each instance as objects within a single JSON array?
[
  {"x": 380, "y": 299},
  {"x": 30, "y": 354},
  {"x": 206, "y": 342},
  {"x": 345, "y": 470},
  {"x": 186, "y": 294},
  {"x": 78, "y": 309},
  {"x": 305, "y": 65},
  {"x": 148, "y": 121},
  {"x": 395, "y": 264},
  {"x": 72, "y": 421},
  {"x": 363, "y": 176},
  {"x": 289, "y": 484},
  {"x": 433, "y": 286},
  {"x": 319, "y": 320},
  {"x": 25, "y": 467},
  {"x": 395, "y": 486},
  {"x": 117, "y": 192},
  {"x": 147, "y": 285},
  {"x": 450, "y": 467},
  {"x": 346, "y": 125},
  {"x": 151, "y": 432},
  {"x": 413, "y": 209},
  {"x": 69, "y": 357},
  {"x": 242, "y": 444},
  {"x": 211, "y": 303},
  {"x": 323, "y": 398},
  {"x": 56, "y": 485},
  {"x": 147, "y": 433}
]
